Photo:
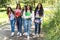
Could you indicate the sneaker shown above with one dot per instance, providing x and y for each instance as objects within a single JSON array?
[
  {"x": 12, "y": 34},
  {"x": 28, "y": 37},
  {"x": 37, "y": 35},
  {"x": 18, "y": 33},
  {"x": 25, "y": 34},
  {"x": 34, "y": 36}
]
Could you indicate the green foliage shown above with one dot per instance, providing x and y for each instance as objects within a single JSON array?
[
  {"x": 3, "y": 3},
  {"x": 52, "y": 29}
]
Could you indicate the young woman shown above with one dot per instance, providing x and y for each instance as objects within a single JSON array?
[
  {"x": 11, "y": 16},
  {"x": 28, "y": 15},
  {"x": 18, "y": 15},
  {"x": 38, "y": 15},
  {"x": 24, "y": 11}
]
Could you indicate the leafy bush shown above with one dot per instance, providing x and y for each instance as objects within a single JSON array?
[
  {"x": 3, "y": 3},
  {"x": 52, "y": 29}
]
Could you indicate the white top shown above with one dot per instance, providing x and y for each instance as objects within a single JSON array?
[
  {"x": 23, "y": 16},
  {"x": 12, "y": 16},
  {"x": 32, "y": 16}
]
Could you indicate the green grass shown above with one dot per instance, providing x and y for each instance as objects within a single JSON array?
[
  {"x": 3, "y": 17},
  {"x": 52, "y": 29},
  {"x": 3, "y": 14}
]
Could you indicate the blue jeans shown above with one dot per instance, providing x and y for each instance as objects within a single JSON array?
[
  {"x": 37, "y": 26},
  {"x": 12, "y": 22},
  {"x": 19, "y": 24},
  {"x": 27, "y": 26},
  {"x": 24, "y": 25}
]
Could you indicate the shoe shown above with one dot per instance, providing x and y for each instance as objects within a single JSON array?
[
  {"x": 12, "y": 34},
  {"x": 28, "y": 37},
  {"x": 37, "y": 35},
  {"x": 25, "y": 34},
  {"x": 34, "y": 36},
  {"x": 18, "y": 33}
]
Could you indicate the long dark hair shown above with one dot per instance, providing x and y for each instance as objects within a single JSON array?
[
  {"x": 19, "y": 6},
  {"x": 10, "y": 10},
  {"x": 30, "y": 8},
  {"x": 40, "y": 11}
]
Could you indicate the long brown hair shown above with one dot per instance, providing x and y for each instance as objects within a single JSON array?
[
  {"x": 29, "y": 8},
  {"x": 19, "y": 6},
  {"x": 10, "y": 10},
  {"x": 40, "y": 11}
]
